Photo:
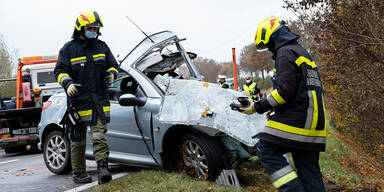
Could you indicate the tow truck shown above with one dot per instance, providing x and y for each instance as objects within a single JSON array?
[{"x": 20, "y": 115}]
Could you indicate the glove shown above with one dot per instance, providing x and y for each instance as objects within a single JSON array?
[
  {"x": 72, "y": 90},
  {"x": 254, "y": 158},
  {"x": 246, "y": 106},
  {"x": 109, "y": 78}
]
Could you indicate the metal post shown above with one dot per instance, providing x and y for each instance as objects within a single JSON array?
[{"x": 234, "y": 68}]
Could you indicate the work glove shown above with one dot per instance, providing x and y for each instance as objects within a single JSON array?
[
  {"x": 109, "y": 78},
  {"x": 72, "y": 90},
  {"x": 246, "y": 106}
]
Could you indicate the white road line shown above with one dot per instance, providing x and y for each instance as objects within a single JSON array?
[
  {"x": 93, "y": 184},
  {"x": 10, "y": 161}
]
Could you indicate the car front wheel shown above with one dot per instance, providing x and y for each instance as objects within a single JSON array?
[
  {"x": 200, "y": 156},
  {"x": 57, "y": 153}
]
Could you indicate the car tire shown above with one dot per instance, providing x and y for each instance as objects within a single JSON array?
[
  {"x": 57, "y": 153},
  {"x": 200, "y": 156}
]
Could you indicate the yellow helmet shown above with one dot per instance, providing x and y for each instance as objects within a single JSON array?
[
  {"x": 264, "y": 31},
  {"x": 88, "y": 18}
]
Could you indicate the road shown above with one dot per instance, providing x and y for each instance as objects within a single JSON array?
[{"x": 27, "y": 172}]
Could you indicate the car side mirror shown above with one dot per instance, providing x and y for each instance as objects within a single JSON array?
[{"x": 131, "y": 100}]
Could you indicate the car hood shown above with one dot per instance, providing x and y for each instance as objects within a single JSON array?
[{"x": 186, "y": 100}]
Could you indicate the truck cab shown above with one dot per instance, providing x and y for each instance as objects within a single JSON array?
[{"x": 35, "y": 84}]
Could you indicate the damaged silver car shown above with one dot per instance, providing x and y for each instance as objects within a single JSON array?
[{"x": 162, "y": 115}]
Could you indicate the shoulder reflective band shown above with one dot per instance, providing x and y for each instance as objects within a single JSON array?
[
  {"x": 62, "y": 77},
  {"x": 99, "y": 57},
  {"x": 78, "y": 60},
  {"x": 302, "y": 59},
  {"x": 277, "y": 97},
  {"x": 285, "y": 179}
]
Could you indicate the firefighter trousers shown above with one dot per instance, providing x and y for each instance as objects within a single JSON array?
[
  {"x": 307, "y": 176},
  {"x": 100, "y": 145}
]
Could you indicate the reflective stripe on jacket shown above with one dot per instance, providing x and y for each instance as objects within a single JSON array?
[
  {"x": 86, "y": 63},
  {"x": 299, "y": 120}
]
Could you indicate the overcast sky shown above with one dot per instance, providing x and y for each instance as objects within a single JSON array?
[{"x": 212, "y": 27}]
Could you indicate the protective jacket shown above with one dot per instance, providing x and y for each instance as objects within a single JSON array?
[
  {"x": 252, "y": 88},
  {"x": 225, "y": 85},
  {"x": 86, "y": 62},
  {"x": 299, "y": 120}
]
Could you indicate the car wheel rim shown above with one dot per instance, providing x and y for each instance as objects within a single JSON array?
[
  {"x": 195, "y": 159},
  {"x": 56, "y": 152}
]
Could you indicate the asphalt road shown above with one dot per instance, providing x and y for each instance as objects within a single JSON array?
[{"x": 27, "y": 172}]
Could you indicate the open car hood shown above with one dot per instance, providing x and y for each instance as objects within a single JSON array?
[
  {"x": 149, "y": 52},
  {"x": 185, "y": 101}
]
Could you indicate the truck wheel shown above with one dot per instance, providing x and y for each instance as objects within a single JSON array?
[
  {"x": 200, "y": 156},
  {"x": 57, "y": 153}
]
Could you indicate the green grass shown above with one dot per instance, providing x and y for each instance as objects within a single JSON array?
[{"x": 252, "y": 176}]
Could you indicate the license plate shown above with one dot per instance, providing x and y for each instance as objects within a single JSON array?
[
  {"x": 25, "y": 131},
  {"x": 4, "y": 130}
]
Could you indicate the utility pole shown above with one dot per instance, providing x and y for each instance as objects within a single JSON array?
[{"x": 234, "y": 68}]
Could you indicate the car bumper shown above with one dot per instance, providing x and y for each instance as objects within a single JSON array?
[{"x": 22, "y": 140}]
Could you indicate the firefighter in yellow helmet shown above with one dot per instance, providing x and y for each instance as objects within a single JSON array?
[
  {"x": 298, "y": 125},
  {"x": 84, "y": 68}
]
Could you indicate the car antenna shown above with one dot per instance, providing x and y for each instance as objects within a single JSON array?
[{"x": 139, "y": 29}]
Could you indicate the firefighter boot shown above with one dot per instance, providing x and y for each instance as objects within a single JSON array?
[
  {"x": 102, "y": 171},
  {"x": 81, "y": 177}
]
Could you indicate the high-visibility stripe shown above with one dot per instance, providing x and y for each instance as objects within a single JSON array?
[
  {"x": 325, "y": 117},
  {"x": 78, "y": 61},
  {"x": 99, "y": 55},
  {"x": 277, "y": 97},
  {"x": 281, "y": 172},
  {"x": 113, "y": 69},
  {"x": 285, "y": 179},
  {"x": 98, "y": 135},
  {"x": 315, "y": 111},
  {"x": 78, "y": 58},
  {"x": 106, "y": 108},
  {"x": 85, "y": 113},
  {"x": 309, "y": 120},
  {"x": 274, "y": 70},
  {"x": 272, "y": 101},
  {"x": 295, "y": 130},
  {"x": 302, "y": 59},
  {"x": 61, "y": 75},
  {"x": 294, "y": 137}
]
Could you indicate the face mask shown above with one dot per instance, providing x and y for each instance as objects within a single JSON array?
[
  {"x": 248, "y": 81},
  {"x": 90, "y": 35}
]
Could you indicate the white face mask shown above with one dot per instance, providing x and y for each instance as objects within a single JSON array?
[{"x": 248, "y": 81}]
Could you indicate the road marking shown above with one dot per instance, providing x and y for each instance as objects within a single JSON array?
[
  {"x": 10, "y": 161},
  {"x": 93, "y": 184}
]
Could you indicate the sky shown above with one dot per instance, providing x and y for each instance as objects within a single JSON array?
[{"x": 212, "y": 27}]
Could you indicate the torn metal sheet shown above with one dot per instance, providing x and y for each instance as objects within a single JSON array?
[{"x": 186, "y": 99}]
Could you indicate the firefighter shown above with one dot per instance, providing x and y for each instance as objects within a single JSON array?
[
  {"x": 298, "y": 125},
  {"x": 84, "y": 68},
  {"x": 223, "y": 83},
  {"x": 250, "y": 87}
]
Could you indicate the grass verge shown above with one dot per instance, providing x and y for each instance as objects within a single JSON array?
[{"x": 344, "y": 168}]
